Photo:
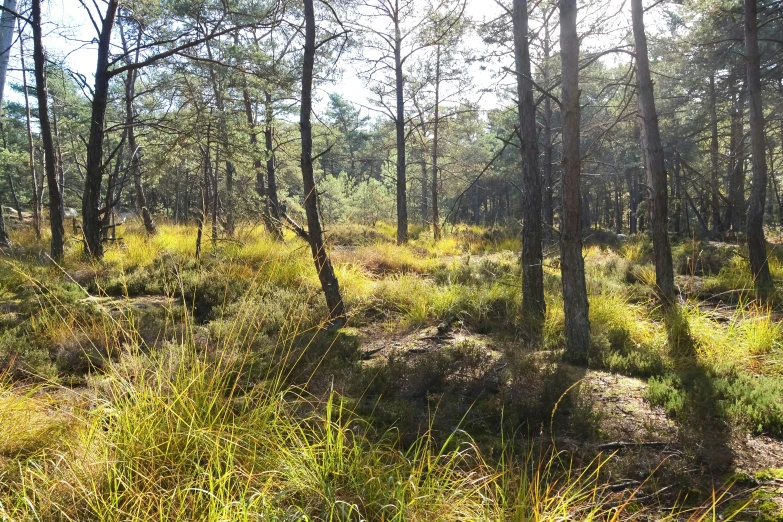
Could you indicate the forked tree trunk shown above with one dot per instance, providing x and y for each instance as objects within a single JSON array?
[
  {"x": 533, "y": 304},
  {"x": 572, "y": 264},
  {"x": 654, "y": 162},
  {"x": 55, "y": 198},
  {"x": 91, "y": 211},
  {"x": 323, "y": 264},
  {"x": 757, "y": 244}
]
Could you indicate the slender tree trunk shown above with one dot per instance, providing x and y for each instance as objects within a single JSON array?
[
  {"x": 533, "y": 304},
  {"x": 91, "y": 212},
  {"x": 273, "y": 210},
  {"x": 577, "y": 323},
  {"x": 323, "y": 264},
  {"x": 424, "y": 189},
  {"x": 654, "y": 162},
  {"x": 215, "y": 195},
  {"x": 677, "y": 195},
  {"x": 757, "y": 244},
  {"x": 259, "y": 172},
  {"x": 177, "y": 201},
  {"x": 37, "y": 218},
  {"x": 15, "y": 197},
  {"x": 5, "y": 239},
  {"x": 6, "y": 40},
  {"x": 135, "y": 150},
  {"x": 717, "y": 225},
  {"x": 618, "y": 209},
  {"x": 735, "y": 213},
  {"x": 399, "y": 123},
  {"x": 548, "y": 205},
  {"x": 113, "y": 191},
  {"x": 55, "y": 199},
  {"x": 436, "y": 124},
  {"x": 633, "y": 201},
  {"x": 60, "y": 166}
]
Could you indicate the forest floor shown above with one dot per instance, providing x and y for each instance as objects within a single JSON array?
[{"x": 140, "y": 359}]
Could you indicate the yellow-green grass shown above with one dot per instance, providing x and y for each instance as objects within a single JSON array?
[{"x": 173, "y": 435}]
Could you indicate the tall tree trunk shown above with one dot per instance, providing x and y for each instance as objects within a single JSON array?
[
  {"x": 6, "y": 36},
  {"x": 323, "y": 264},
  {"x": 533, "y": 304},
  {"x": 735, "y": 212},
  {"x": 259, "y": 172},
  {"x": 757, "y": 244},
  {"x": 399, "y": 123},
  {"x": 135, "y": 150},
  {"x": 36, "y": 203},
  {"x": 60, "y": 166},
  {"x": 548, "y": 205},
  {"x": 577, "y": 323},
  {"x": 717, "y": 225},
  {"x": 6, "y": 41},
  {"x": 55, "y": 198},
  {"x": 91, "y": 211},
  {"x": 436, "y": 124},
  {"x": 273, "y": 210},
  {"x": 654, "y": 160}
]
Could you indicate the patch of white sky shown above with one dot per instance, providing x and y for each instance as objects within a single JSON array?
[{"x": 71, "y": 36}]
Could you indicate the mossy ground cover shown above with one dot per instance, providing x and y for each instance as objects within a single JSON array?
[{"x": 160, "y": 386}]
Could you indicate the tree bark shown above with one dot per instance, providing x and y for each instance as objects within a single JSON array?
[
  {"x": 60, "y": 166},
  {"x": 548, "y": 206},
  {"x": 36, "y": 195},
  {"x": 757, "y": 244},
  {"x": 654, "y": 162},
  {"x": 135, "y": 150},
  {"x": 323, "y": 264},
  {"x": 436, "y": 124},
  {"x": 55, "y": 198},
  {"x": 575, "y": 304},
  {"x": 677, "y": 195},
  {"x": 5, "y": 240},
  {"x": 15, "y": 197},
  {"x": 717, "y": 225},
  {"x": 633, "y": 200},
  {"x": 6, "y": 41},
  {"x": 273, "y": 210},
  {"x": 399, "y": 123},
  {"x": 735, "y": 212},
  {"x": 533, "y": 304},
  {"x": 91, "y": 211}
]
